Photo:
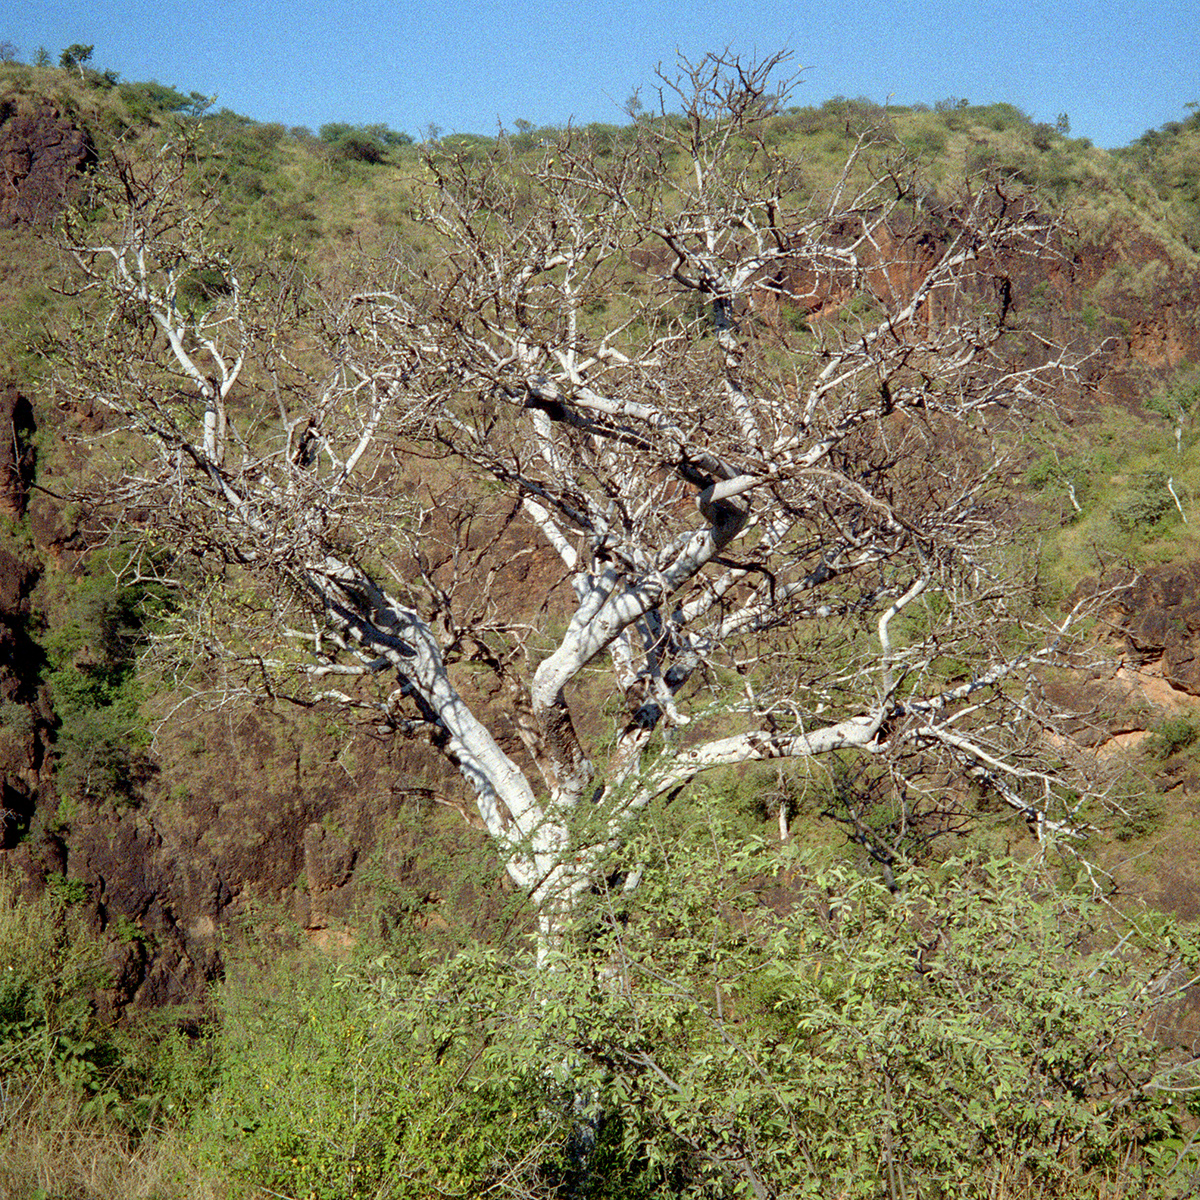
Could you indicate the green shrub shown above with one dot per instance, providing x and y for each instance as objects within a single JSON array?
[
  {"x": 793, "y": 318},
  {"x": 49, "y": 968},
  {"x": 1178, "y": 400},
  {"x": 736, "y": 1026},
  {"x": 357, "y": 146},
  {"x": 92, "y": 654},
  {"x": 929, "y": 141},
  {"x": 1173, "y": 735},
  {"x": 145, "y": 101},
  {"x": 88, "y": 1110},
  {"x": 1146, "y": 506},
  {"x": 348, "y": 1081}
]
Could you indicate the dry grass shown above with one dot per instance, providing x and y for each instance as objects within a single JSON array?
[{"x": 49, "y": 1149}]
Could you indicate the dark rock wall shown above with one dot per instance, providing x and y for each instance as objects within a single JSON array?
[
  {"x": 1159, "y": 616},
  {"x": 42, "y": 153}
]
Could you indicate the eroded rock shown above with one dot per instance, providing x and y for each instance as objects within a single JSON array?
[
  {"x": 42, "y": 153},
  {"x": 1159, "y": 617},
  {"x": 17, "y": 455}
]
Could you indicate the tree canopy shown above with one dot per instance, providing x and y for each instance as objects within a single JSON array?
[
  {"x": 75, "y": 57},
  {"x": 783, "y": 543}
]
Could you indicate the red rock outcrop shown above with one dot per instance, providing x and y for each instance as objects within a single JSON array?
[
  {"x": 17, "y": 458},
  {"x": 1159, "y": 616},
  {"x": 42, "y": 153}
]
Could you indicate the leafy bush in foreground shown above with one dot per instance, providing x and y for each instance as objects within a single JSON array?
[{"x": 725, "y": 1032}]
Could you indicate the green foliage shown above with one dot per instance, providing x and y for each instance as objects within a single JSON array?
[
  {"x": 1136, "y": 810},
  {"x": 358, "y": 146},
  {"x": 71, "y": 893},
  {"x": 1147, "y": 504},
  {"x": 17, "y": 718},
  {"x": 148, "y": 101},
  {"x": 333, "y": 132},
  {"x": 819, "y": 1040},
  {"x": 392, "y": 138},
  {"x": 1048, "y": 468},
  {"x": 1168, "y": 158},
  {"x": 75, "y": 56},
  {"x": 928, "y": 139},
  {"x": 64, "y": 1074},
  {"x": 999, "y": 117},
  {"x": 431, "y": 1114},
  {"x": 1173, "y": 735},
  {"x": 23, "y": 324},
  {"x": 1118, "y": 468},
  {"x": 361, "y": 143},
  {"x": 49, "y": 966},
  {"x": 1178, "y": 399},
  {"x": 793, "y": 318},
  {"x": 262, "y": 200},
  {"x": 92, "y": 659},
  {"x": 741, "y": 1024}
]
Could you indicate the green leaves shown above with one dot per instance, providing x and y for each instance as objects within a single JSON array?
[
  {"x": 746, "y": 1023},
  {"x": 740, "y": 1022},
  {"x": 93, "y": 676}
]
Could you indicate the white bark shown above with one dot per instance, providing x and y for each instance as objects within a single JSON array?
[{"x": 720, "y": 501}]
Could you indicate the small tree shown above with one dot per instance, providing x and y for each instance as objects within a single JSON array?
[
  {"x": 8, "y": 51},
  {"x": 781, "y": 547},
  {"x": 74, "y": 57},
  {"x": 392, "y": 138}
]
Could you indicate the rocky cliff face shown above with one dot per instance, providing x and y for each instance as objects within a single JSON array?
[
  {"x": 1122, "y": 295},
  {"x": 17, "y": 456},
  {"x": 1145, "y": 308},
  {"x": 1159, "y": 618},
  {"x": 42, "y": 153},
  {"x": 26, "y": 717}
]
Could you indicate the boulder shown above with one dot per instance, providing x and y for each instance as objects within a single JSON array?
[{"x": 1159, "y": 618}]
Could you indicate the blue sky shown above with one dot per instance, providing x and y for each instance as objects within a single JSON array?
[{"x": 1116, "y": 71}]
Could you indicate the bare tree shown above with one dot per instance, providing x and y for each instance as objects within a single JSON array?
[{"x": 780, "y": 542}]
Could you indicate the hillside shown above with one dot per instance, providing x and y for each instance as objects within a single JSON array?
[{"x": 180, "y": 838}]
